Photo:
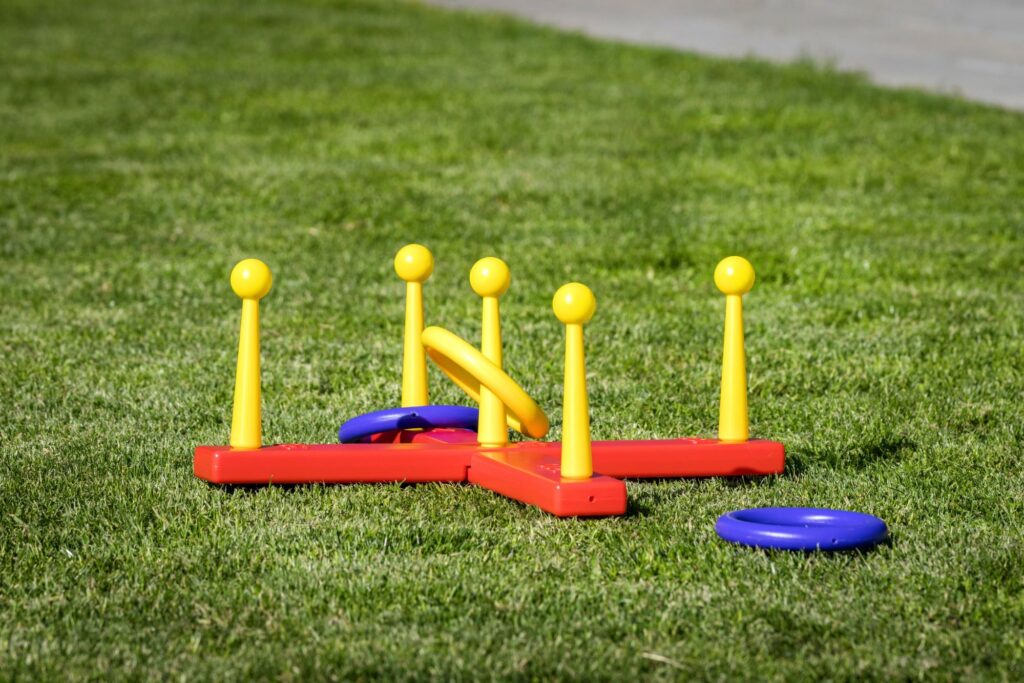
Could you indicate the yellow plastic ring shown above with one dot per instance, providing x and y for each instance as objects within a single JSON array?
[{"x": 467, "y": 367}]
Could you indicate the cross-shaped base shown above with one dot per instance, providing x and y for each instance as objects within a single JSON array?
[{"x": 528, "y": 472}]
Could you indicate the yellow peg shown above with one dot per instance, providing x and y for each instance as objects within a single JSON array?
[
  {"x": 490, "y": 278},
  {"x": 250, "y": 280},
  {"x": 574, "y": 305},
  {"x": 734, "y": 277},
  {"x": 414, "y": 263}
]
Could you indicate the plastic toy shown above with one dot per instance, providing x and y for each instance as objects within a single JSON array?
[
  {"x": 398, "y": 419},
  {"x": 419, "y": 442},
  {"x": 803, "y": 529}
]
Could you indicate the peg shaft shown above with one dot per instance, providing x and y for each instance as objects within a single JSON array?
[
  {"x": 490, "y": 278},
  {"x": 734, "y": 277},
  {"x": 574, "y": 305},
  {"x": 414, "y": 263},
  {"x": 251, "y": 280}
]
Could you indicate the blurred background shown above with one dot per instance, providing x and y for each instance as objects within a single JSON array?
[{"x": 974, "y": 48}]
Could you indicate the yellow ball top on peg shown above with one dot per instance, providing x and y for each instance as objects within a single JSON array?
[
  {"x": 490, "y": 276},
  {"x": 251, "y": 279},
  {"x": 734, "y": 275},
  {"x": 574, "y": 304},
  {"x": 414, "y": 263}
]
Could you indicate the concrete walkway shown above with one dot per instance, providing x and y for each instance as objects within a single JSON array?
[{"x": 974, "y": 48}]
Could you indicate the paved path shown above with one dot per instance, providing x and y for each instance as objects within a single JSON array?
[{"x": 971, "y": 47}]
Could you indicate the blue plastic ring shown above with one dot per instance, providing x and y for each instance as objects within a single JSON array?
[
  {"x": 801, "y": 528},
  {"x": 417, "y": 417}
]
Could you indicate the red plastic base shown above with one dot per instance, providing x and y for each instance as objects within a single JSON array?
[
  {"x": 650, "y": 459},
  {"x": 331, "y": 464},
  {"x": 448, "y": 436},
  {"x": 687, "y": 458},
  {"x": 534, "y": 477},
  {"x": 526, "y": 471}
]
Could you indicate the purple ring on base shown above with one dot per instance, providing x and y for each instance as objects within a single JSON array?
[
  {"x": 414, "y": 417},
  {"x": 804, "y": 529}
]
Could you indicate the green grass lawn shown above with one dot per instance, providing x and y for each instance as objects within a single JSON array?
[{"x": 146, "y": 147}]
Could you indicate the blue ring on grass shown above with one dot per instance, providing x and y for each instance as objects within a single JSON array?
[
  {"x": 804, "y": 529},
  {"x": 416, "y": 417}
]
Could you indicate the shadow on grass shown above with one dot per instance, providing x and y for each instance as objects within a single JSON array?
[
  {"x": 250, "y": 489},
  {"x": 885, "y": 449},
  {"x": 654, "y": 496}
]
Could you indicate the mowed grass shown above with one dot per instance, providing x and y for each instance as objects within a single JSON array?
[{"x": 146, "y": 147}]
